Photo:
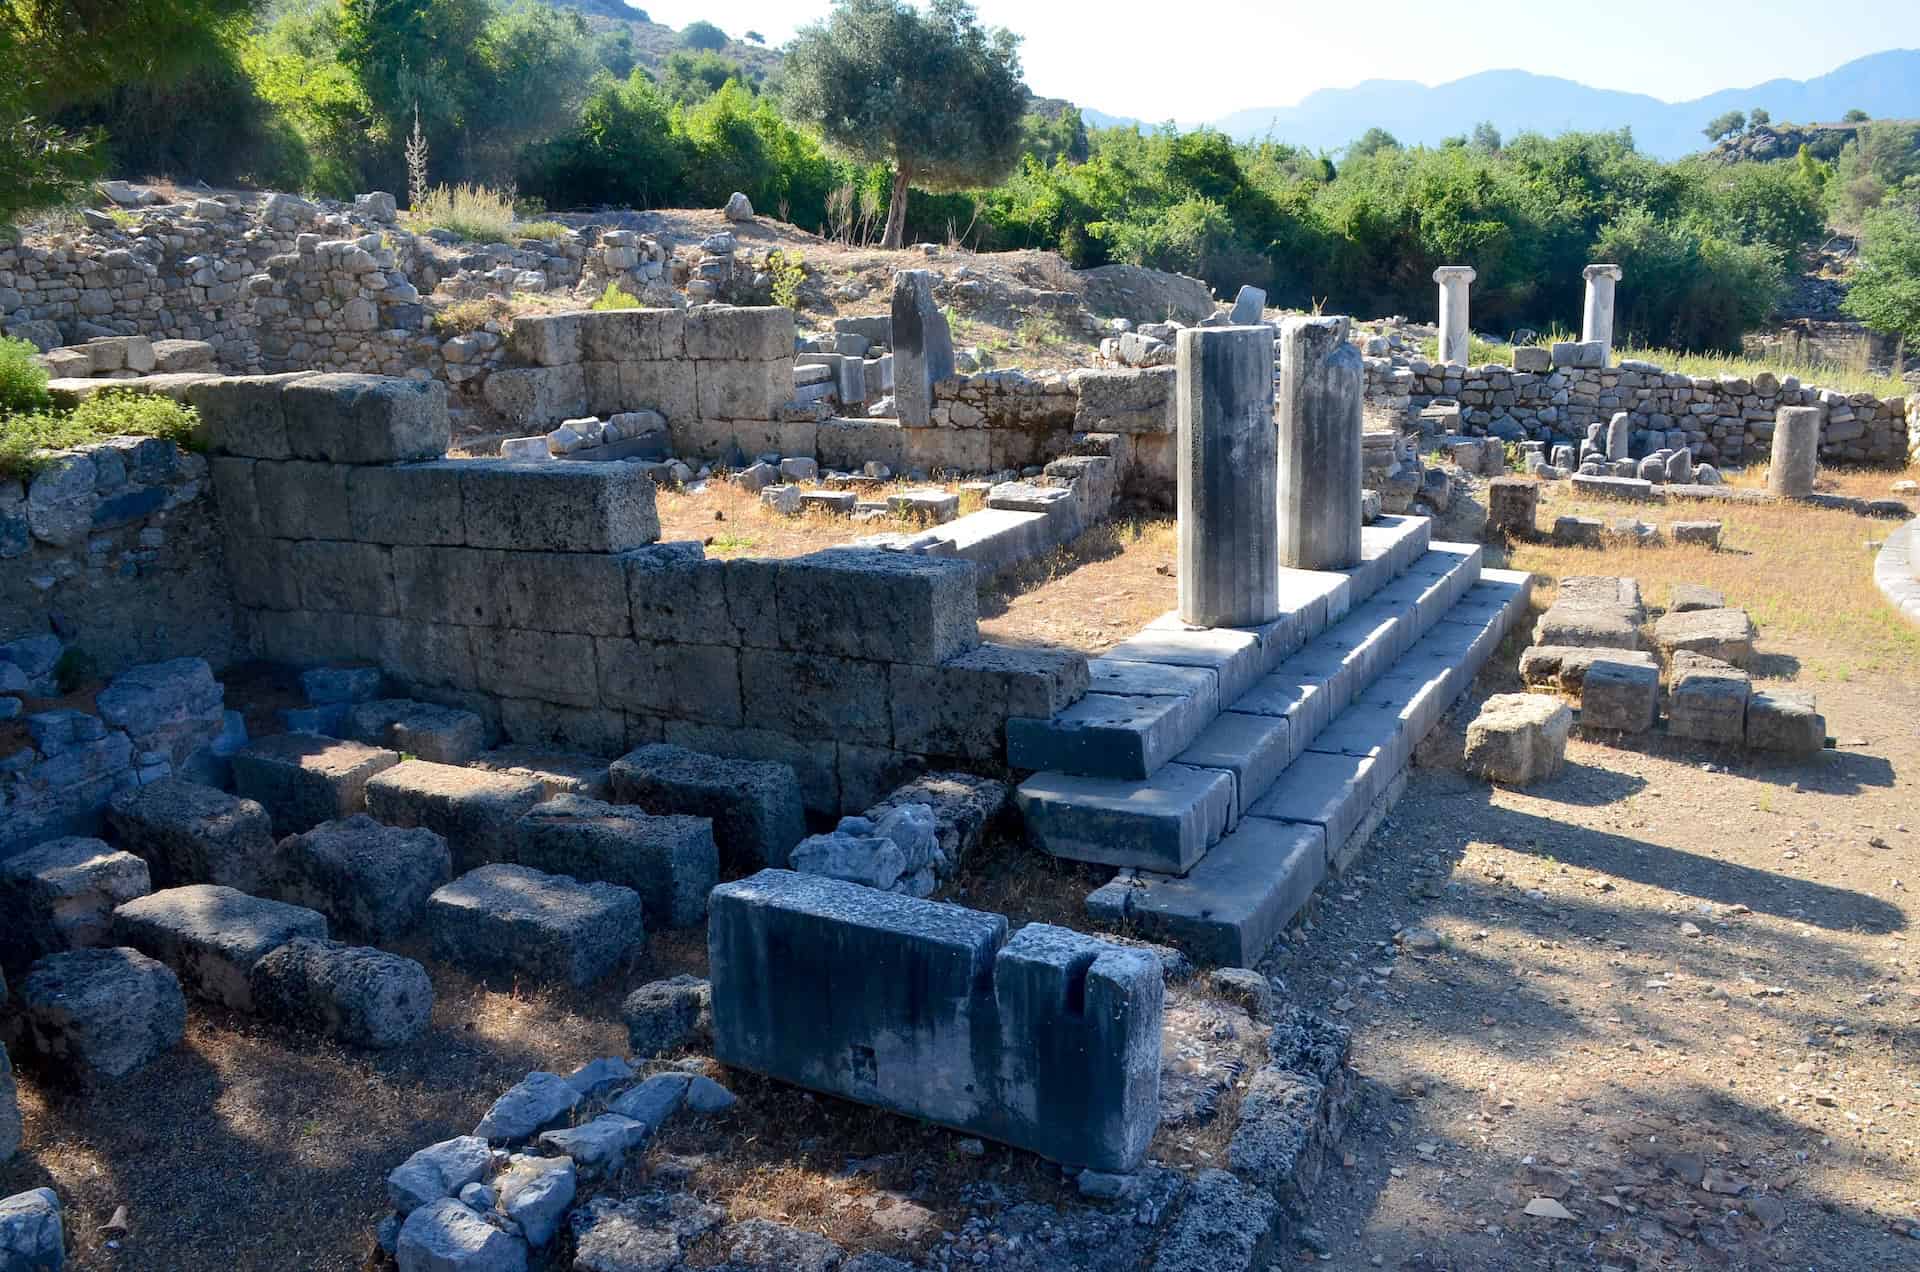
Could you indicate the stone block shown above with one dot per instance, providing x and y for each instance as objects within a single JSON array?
[
  {"x": 675, "y": 593},
  {"x": 60, "y": 896},
  {"x": 537, "y": 397},
  {"x": 408, "y": 503},
  {"x": 370, "y": 880},
  {"x": 1049, "y": 1041},
  {"x": 755, "y": 806},
  {"x": 671, "y": 861},
  {"x": 667, "y": 386},
  {"x": 817, "y": 695},
  {"x": 1512, "y": 504},
  {"x": 302, "y": 500},
  {"x": 212, "y": 936},
  {"x": 554, "y": 667},
  {"x": 439, "y": 1170},
  {"x": 548, "y": 340},
  {"x": 851, "y": 444},
  {"x": 366, "y": 419},
  {"x": 534, "y": 507},
  {"x": 189, "y": 833},
  {"x": 1703, "y": 533},
  {"x": 634, "y": 335},
  {"x": 474, "y": 811},
  {"x": 1596, "y": 625},
  {"x": 418, "y": 654},
  {"x": 884, "y": 606},
  {"x": 1683, "y": 598},
  {"x": 443, "y": 735},
  {"x": 303, "y": 780},
  {"x": 349, "y": 993},
  {"x": 344, "y": 578},
  {"x": 1785, "y": 720},
  {"x": 1724, "y": 634},
  {"x": 1565, "y": 667},
  {"x": 961, "y": 707},
  {"x": 558, "y": 772},
  {"x": 1623, "y": 696},
  {"x": 241, "y": 414},
  {"x": 31, "y": 1233},
  {"x": 1108, "y": 735},
  {"x": 1519, "y": 738},
  {"x": 686, "y": 682},
  {"x": 737, "y": 390},
  {"x": 445, "y": 1236},
  {"x": 1164, "y": 823},
  {"x": 99, "y": 1014},
  {"x": 507, "y": 919},
  {"x": 1707, "y": 699},
  {"x": 745, "y": 333},
  {"x": 922, "y": 346},
  {"x": 665, "y": 1016}
]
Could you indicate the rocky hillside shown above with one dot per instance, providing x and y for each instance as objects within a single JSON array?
[{"x": 653, "y": 41}]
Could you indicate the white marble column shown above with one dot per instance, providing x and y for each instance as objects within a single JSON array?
[
  {"x": 1453, "y": 280},
  {"x": 1596, "y": 322}
]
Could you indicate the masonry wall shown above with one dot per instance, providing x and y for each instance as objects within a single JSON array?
[{"x": 115, "y": 550}]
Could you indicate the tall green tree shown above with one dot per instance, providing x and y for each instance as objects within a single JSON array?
[
  {"x": 1885, "y": 290},
  {"x": 1725, "y": 125},
  {"x": 931, "y": 94}
]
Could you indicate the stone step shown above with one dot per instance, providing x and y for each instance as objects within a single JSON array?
[
  {"x": 1122, "y": 813},
  {"x": 1231, "y": 904},
  {"x": 1153, "y": 696}
]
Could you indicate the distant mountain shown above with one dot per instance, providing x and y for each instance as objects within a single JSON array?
[
  {"x": 1100, "y": 119},
  {"x": 619, "y": 9},
  {"x": 1885, "y": 85}
]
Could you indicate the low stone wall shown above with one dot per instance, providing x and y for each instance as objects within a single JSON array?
[
  {"x": 115, "y": 550},
  {"x": 1724, "y": 419}
]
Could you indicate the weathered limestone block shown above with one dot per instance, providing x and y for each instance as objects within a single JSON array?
[
  {"x": 1785, "y": 720},
  {"x": 1132, "y": 402},
  {"x": 1593, "y": 610},
  {"x": 1707, "y": 699},
  {"x": 1704, "y": 533},
  {"x": 537, "y": 397},
  {"x": 1049, "y": 1040},
  {"x": 1796, "y": 451},
  {"x": 1565, "y": 667},
  {"x": 531, "y": 507},
  {"x": 1512, "y": 504},
  {"x": 303, "y": 780},
  {"x": 664, "y": 1016},
  {"x": 755, "y": 805},
  {"x": 442, "y": 735},
  {"x": 212, "y": 936},
  {"x": 372, "y": 881},
  {"x": 1519, "y": 738},
  {"x": 922, "y": 347},
  {"x": 242, "y": 414},
  {"x": 884, "y": 606},
  {"x": 445, "y": 1236},
  {"x": 558, "y": 772},
  {"x": 366, "y": 419},
  {"x": 60, "y": 896},
  {"x": 1684, "y": 598},
  {"x": 671, "y": 861},
  {"x": 1620, "y": 695},
  {"x": 189, "y": 833},
  {"x": 960, "y": 708},
  {"x": 503, "y": 919},
  {"x": 635, "y": 335},
  {"x": 1725, "y": 634},
  {"x": 408, "y": 503},
  {"x": 535, "y": 1193},
  {"x": 360, "y": 996},
  {"x": 175, "y": 707},
  {"x": 474, "y": 811},
  {"x": 101, "y": 1013},
  {"x": 439, "y": 1170},
  {"x": 548, "y": 340}
]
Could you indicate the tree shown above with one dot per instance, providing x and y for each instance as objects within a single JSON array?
[
  {"x": 931, "y": 94},
  {"x": 1885, "y": 289},
  {"x": 703, "y": 35},
  {"x": 1725, "y": 125},
  {"x": 1371, "y": 142},
  {"x": 1758, "y": 118},
  {"x": 1486, "y": 138},
  {"x": 1855, "y": 116},
  {"x": 754, "y": 37}
]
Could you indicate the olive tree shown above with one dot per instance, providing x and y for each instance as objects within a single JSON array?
[{"x": 931, "y": 94}]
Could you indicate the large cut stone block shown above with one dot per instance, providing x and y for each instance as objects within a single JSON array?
[
  {"x": 549, "y": 507},
  {"x": 1519, "y": 738},
  {"x": 366, "y": 419},
  {"x": 548, "y": 340},
  {"x": 189, "y": 833},
  {"x": 885, "y": 606},
  {"x": 987, "y": 1035},
  {"x": 747, "y": 333},
  {"x": 1620, "y": 695},
  {"x": 300, "y": 499},
  {"x": 1707, "y": 699},
  {"x": 635, "y": 335},
  {"x": 1785, "y": 720},
  {"x": 241, "y": 414},
  {"x": 537, "y": 397},
  {"x": 922, "y": 346},
  {"x": 755, "y": 805},
  {"x": 444, "y": 735},
  {"x": 101, "y": 1013},
  {"x": 60, "y": 896},
  {"x": 505, "y": 919},
  {"x": 671, "y": 861},
  {"x": 372, "y": 881},
  {"x": 473, "y": 810},
  {"x": 303, "y": 780},
  {"x": 356, "y": 995},
  {"x": 961, "y": 707},
  {"x": 408, "y": 503},
  {"x": 679, "y": 682},
  {"x": 1565, "y": 667},
  {"x": 212, "y": 936},
  {"x": 1164, "y": 823},
  {"x": 818, "y": 695},
  {"x": 1723, "y": 634},
  {"x": 1108, "y": 735}
]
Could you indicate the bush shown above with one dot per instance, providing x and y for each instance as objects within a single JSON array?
[
  {"x": 464, "y": 317},
  {"x": 23, "y": 382},
  {"x": 702, "y": 35},
  {"x": 474, "y": 213},
  {"x": 114, "y": 413},
  {"x": 1886, "y": 285},
  {"x": 789, "y": 271},
  {"x": 614, "y": 298}
]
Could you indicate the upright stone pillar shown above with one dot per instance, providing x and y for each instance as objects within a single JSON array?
[
  {"x": 922, "y": 347},
  {"x": 1229, "y": 529},
  {"x": 1796, "y": 451},
  {"x": 1596, "y": 322},
  {"x": 1453, "y": 280},
  {"x": 1321, "y": 377},
  {"x": 1619, "y": 435}
]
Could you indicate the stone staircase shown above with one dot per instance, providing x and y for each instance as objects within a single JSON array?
[{"x": 1227, "y": 771}]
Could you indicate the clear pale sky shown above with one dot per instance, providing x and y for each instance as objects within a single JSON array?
[{"x": 1201, "y": 59}]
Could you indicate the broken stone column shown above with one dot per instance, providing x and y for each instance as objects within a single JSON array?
[
  {"x": 1596, "y": 322},
  {"x": 1229, "y": 531},
  {"x": 922, "y": 347},
  {"x": 1619, "y": 435},
  {"x": 1453, "y": 280},
  {"x": 1796, "y": 452},
  {"x": 1318, "y": 424}
]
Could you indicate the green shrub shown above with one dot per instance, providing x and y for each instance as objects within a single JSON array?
[
  {"x": 789, "y": 271},
  {"x": 614, "y": 298},
  {"x": 23, "y": 382},
  {"x": 118, "y": 413},
  {"x": 473, "y": 212}
]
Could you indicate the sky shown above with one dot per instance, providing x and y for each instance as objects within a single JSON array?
[{"x": 1198, "y": 61}]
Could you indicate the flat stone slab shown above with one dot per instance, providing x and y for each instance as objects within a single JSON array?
[
  {"x": 1107, "y": 735},
  {"x": 1683, "y": 598},
  {"x": 1255, "y": 749},
  {"x": 1326, "y": 790},
  {"x": 303, "y": 780},
  {"x": 1589, "y": 624},
  {"x": 1236, "y": 657},
  {"x": 1236, "y": 899},
  {"x": 60, "y": 896},
  {"x": 1630, "y": 488},
  {"x": 502, "y": 919},
  {"x": 351, "y": 993},
  {"x": 212, "y": 936},
  {"x": 755, "y": 805},
  {"x": 475, "y": 811},
  {"x": 1725, "y": 634},
  {"x": 189, "y": 833},
  {"x": 1164, "y": 823},
  {"x": 98, "y": 1014},
  {"x": 371, "y": 880},
  {"x": 423, "y": 730},
  {"x": 559, "y": 772},
  {"x": 1565, "y": 667},
  {"x": 669, "y": 859},
  {"x": 1519, "y": 738}
]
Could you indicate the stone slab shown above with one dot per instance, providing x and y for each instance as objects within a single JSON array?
[
  {"x": 755, "y": 805},
  {"x": 1255, "y": 749},
  {"x": 303, "y": 780},
  {"x": 1166, "y": 822},
  {"x": 507, "y": 919},
  {"x": 211, "y": 936},
  {"x": 1107, "y": 735},
  {"x": 371, "y": 880},
  {"x": 670, "y": 861},
  {"x": 475, "y": 811}
]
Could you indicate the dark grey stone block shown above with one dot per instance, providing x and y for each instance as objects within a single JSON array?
[
  {"x": 212, "y": 936},
  {"x": 352, "y": 993},
  {"x": 754, "y": 804},
  {"x": 371, "y": 880},
  {"x": 670, "y": 860},
  {"x": 1105, "y": 735},
  {"x": 1164, "y": 823},
  {"x": 189, "y": 833},
  {"x": 503, "y": 919},
  {"x": 885, "y": 606}
]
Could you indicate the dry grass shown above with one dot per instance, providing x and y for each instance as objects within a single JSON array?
[
  {"x": 732, "y": 522},
  {"x": 1805, "y": 574},
  {"x": 1090, "y": 594}
]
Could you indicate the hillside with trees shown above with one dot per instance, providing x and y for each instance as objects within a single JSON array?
[{"x": 891, "y": 123}]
